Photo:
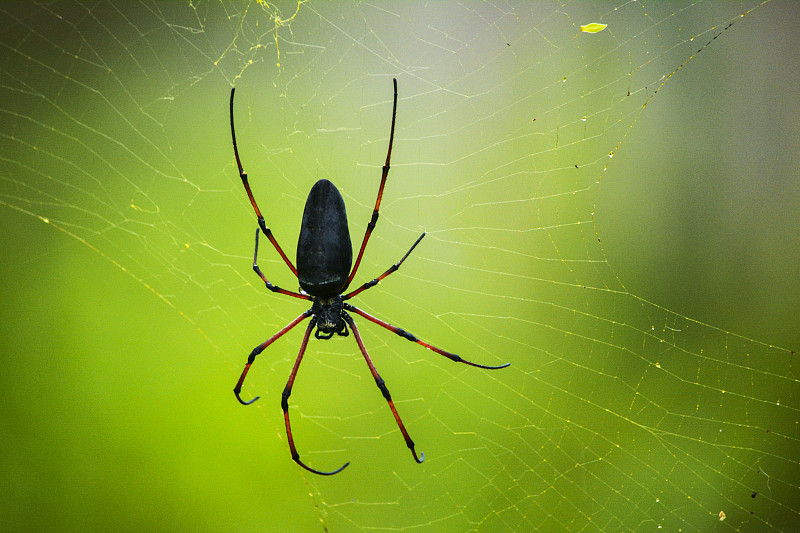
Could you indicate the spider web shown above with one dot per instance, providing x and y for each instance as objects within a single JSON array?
[{"x": 611, "y": 213}]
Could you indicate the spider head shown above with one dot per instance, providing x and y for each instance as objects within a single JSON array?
[{"x": 328, "y": 312}]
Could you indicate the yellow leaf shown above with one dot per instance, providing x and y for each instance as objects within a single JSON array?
[{"x": 594, "y": 27}]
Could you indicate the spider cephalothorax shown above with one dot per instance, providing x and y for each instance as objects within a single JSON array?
[
  {"x": 330, "y": 316},
  {"x": 324, "y": 258}
]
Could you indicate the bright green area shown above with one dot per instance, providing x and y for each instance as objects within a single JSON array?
[{"x": 646, "y": 301}]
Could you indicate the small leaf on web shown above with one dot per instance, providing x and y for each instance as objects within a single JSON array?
[{"x": 594, "y": 27}]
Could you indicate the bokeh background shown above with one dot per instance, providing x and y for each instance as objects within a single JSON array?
[{"x": 615, "y": 214}]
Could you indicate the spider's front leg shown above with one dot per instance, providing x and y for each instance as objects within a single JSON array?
[
  {"x": 376, "y": 209},
  {"x": 243, "y": 175}
]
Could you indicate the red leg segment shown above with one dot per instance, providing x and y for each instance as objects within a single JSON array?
[
  {"x": 385, "y": 173},
  {"x": 243, "y": 175},
  {"x": 270, "y": 286},
  {"x": 287, "y": 391},
  {"x": 408, "y": 336},
  {"x": 260, "y": 348},
  {"x": 382, "y": 386},
  {"x": 391, "y": 269}
]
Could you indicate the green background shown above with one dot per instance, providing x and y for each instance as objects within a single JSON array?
[{"x": 646, "y": 301}]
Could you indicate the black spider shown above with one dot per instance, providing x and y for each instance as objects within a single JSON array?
[{"x": 324, "y": 257}]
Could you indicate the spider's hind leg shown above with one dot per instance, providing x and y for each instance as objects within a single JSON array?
[
  {"x": 385, "y": 391},
  {"x": 287, "y": 391}
]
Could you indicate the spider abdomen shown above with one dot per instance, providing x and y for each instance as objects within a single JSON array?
[{"x": 324, "y": 251}]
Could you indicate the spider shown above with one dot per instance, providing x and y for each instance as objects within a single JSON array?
[{"x": 324, "y": 257}]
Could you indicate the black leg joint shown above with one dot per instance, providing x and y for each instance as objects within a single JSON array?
[
  {"x": 285, "y": 400},
  {"x": 253, "y": 354},
  {"x": 382, "y": 386},
  {"x": 406, "y": 335},
  {"x": 264, "y": 228}
]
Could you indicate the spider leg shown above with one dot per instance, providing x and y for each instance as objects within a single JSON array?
[
  {"x": 382, "y": 386},
  {"x": 287, "y": 391},
  {"x": 408, "y": 336},
  {"x": 270, "y": 286},
  {"x": 260, "y": 348},
  {"x": 385, "y": 173},
  {"x": 391, "y": 269},
  {"x": 243, "y": 175}
]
